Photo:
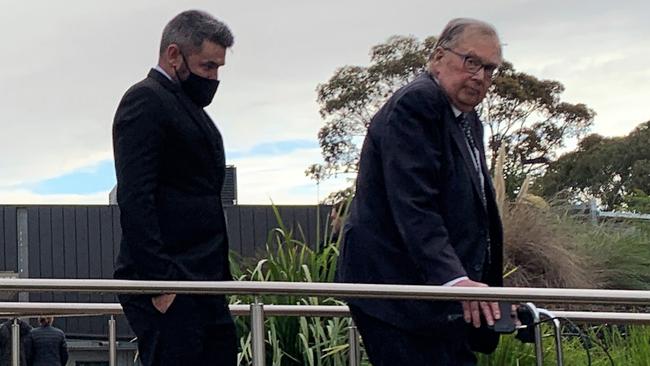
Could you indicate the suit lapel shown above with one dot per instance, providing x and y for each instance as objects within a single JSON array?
[
  {"x": 461, "y": 142},
  {"x": 199, "y": 117},
  {"x": 197, "y": 114},
  {"x": 459, "y": 139}
]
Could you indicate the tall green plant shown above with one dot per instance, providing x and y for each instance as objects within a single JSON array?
[
  {"x": 318, "y": 341},
  {"x": 627, "y": 346},
  {"x": 313, "y": 341}
]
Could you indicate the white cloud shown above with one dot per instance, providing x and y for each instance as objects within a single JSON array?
[
  {"x": 281, "y": 179},
  {"x": 68, "y": 63},
  {"x": 26, "y": 197}
]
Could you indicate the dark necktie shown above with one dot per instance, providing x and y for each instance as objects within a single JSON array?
[
  {"x": 473, "y": 149},
  {"x": 467, "y": 129}
]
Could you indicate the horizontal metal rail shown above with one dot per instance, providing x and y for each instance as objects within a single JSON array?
[
  {"x": 624, "y": 215},
  {"x": 258, "y": 312},
  {"x": 603, "y": 317},
  {"x": 346, "y": 290},
  {"x": 30, "y": 309}
]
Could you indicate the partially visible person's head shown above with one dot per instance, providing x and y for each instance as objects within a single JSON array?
[
  {"x": 464, "y": 59},
  {"x": 45, "y": 320},
  {"x": 195, "y": 41}
]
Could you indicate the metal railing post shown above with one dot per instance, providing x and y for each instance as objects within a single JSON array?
[
  {"x": 355, "y": 349},
  {"x": 557, "y": 328},
  {"x": 539, "y": 348},
  {"x": 257, "y": 333},
  {"x": 15, "y": 343},
  {"x": 22, "y": 225},
  {"x": 112, "y": 342}
]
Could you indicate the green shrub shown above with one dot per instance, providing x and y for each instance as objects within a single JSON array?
[
  {"x": 619, "y": 253},
  {"x": 313, "y": 341},
  {"x": 627, "y": 346},
  {"x": 614, "y": 256}
]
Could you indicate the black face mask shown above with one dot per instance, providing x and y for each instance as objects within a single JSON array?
[{"x": 200, "y": 90}]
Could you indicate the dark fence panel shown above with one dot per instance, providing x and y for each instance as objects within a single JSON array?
[
  {"x": 8, "y": 239},
  {"x": 249, "y": 226},
  {"x": 78, "y": 241}
]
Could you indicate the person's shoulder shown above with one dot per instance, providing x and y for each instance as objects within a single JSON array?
[
  {"x": 423, "y": 92},
  {"x": 155, "y": 83},
  {"x": 147, "y": 92},
  {"x": 422, "y": 85},
  {"x": 422, "y": 95},
  {"x": 146, "y": 86}
]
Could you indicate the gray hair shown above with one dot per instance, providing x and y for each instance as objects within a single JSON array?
[
  {"x": 190, "y": 28},
  {"x": 456, "y": 27}
]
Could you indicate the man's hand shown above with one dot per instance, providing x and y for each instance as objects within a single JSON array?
[
  {"x": 472, "y": 309},
  {"x": 163, "y": 302}
]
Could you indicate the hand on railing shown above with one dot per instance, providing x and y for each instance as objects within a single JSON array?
[{"x": 472, "y": 309}]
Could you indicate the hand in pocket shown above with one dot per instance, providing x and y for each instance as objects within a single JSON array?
[{"x": 163, "y": 302}]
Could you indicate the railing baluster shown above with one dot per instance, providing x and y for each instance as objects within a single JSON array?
[
  {"x": 539, "y": 348},
  {"x": 355, "y": 349},
  {"x": 557, "y": 328},
  {"x": 112, "y": 342},
  {"x": 15, "y": 343},
  {"x": 257, "y": 333}
]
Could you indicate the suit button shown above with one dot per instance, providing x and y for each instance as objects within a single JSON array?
[{"x": 478, "y": 267}]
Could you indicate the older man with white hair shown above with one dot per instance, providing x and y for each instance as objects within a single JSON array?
[{"x": 424, "y": 212}]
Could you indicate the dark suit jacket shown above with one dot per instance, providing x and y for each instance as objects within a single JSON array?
[
  {"x": 5, "y": 341},
  {"x": 170, "y": 166},
  {"x": 417, "y": 216},
  {"x": 46, "y": 346}
]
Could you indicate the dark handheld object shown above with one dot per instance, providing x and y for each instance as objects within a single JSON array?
[
  {"x": 526, "y": 334},
  {"x": 505, "y": 324}
]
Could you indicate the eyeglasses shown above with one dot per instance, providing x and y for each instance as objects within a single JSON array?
[{"x": 474, "y": 64}]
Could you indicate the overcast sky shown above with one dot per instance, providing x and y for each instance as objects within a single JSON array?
[{"x": 67, "y": 63}]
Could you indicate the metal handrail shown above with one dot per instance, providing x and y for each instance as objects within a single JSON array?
[
  {"x": 258, "y": 312},
  {"x": 31, "y": 309},
  {"x": 345, "y": 290},
  {"x": 604, "y": 317},
  {"x": 386, "y": 291}
]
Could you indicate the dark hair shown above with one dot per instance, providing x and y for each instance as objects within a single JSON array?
[{"x": 190, "y": 28}]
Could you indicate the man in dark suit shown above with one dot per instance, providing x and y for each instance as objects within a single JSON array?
[
  {"x": 170, "y": 165},
  {"x": 46, "y": 345},
  {"x": 424, "y": 212}
]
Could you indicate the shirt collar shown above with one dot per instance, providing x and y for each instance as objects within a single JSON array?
[
  {"x": 162, "y": 71},
  {"x": 456, "y": 111}
]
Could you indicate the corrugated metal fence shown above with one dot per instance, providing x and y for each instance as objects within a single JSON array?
[{"x": 74, "y": 241}]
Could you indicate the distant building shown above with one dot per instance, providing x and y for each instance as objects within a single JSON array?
[
  {"x": 112, "y": 196},
  {"x": 228, "y": 193}
]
